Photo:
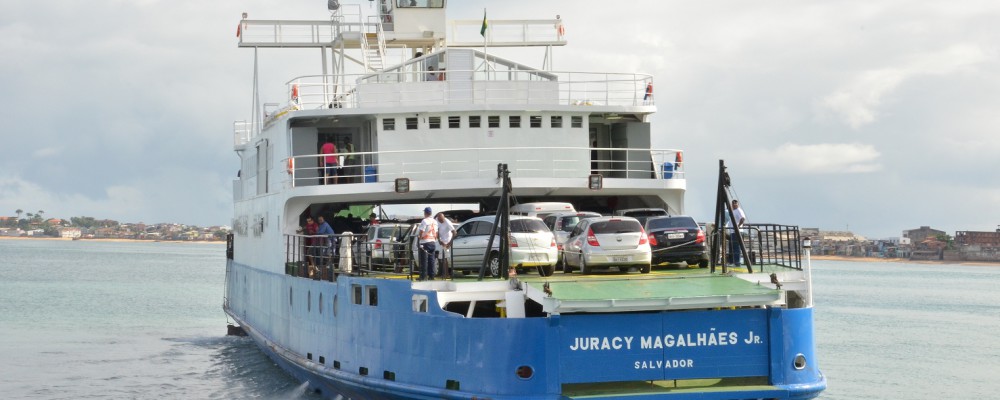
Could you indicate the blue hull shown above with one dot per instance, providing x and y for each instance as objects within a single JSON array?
[{"x": 363, "y": 338}]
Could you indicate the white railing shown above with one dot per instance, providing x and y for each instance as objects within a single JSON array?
[
  {"x": 242, "y": 132},
  {"x": 473, "y": 163},
  {"x": 465, "y": 33},
  {"x": 387, "y": 89}
]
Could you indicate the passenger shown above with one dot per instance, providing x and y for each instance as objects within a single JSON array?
[
  {"x": 431, "y": 75},
  {"x": 310, "y": 242},
  {"x": 428, "y": 234},
  {"x": 446, "y": 233},
  {"x": 327, "y": 245},
  {"x": 350, "y": 162},
  {"x": 441, "y": 74},
  {"x": 329, "y": 151},
  {"x": 735, "y": 252},
  {"x": 372, "y": 219}
]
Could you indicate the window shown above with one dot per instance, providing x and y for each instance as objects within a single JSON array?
[
  {"x": 388, "y": 124},
  {"x": 320, "y": 304},
  {"x": 356, "y": 294},
  {"x": 475, "y": 121},
  {"x": 576, "y": 122},
  {"x": 494, "y": 121},
  {"x": 372, "y": 295},
  {"x": 535, "y": 121},
  {"x": 435, "y": 122},
  {"x": 556, "y": 121},
  {"x": 309, "y": 301},
  {"x": 411, "y": 123},
  {"x": 454, "y": 122},
  {"x": 483, "y": 228},
  {"x": 515, "y": 121},
  {"x": 419, "y": 303}
]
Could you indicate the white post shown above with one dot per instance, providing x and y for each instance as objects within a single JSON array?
[{"x": 807, "y": 248}]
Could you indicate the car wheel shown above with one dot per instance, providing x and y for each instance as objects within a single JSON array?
[
  {"x": 493, "y": 265},
  {"x": 584, "y": 268},
  {"x": 565, "y": 266},
  {"x": 703, "y": 264},
  {"x": 546, "y": 270},
  {"x": 645, "y": 268}
]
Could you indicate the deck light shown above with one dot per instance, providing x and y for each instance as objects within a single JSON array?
[
  {"x": 596, "y": 182},
  {"x": 402, "y": 185}
]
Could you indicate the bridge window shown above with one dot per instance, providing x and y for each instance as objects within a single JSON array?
[
  {"x": 411, "y": 123},
  {"x": 535, "y": 121},
  {"x": 475, "y": 121},
  {"x": 515, "y": 121},
  {"x": 419, "y": 3},
  {"x": 435, "y": 122},
  {"x": 556, "y": 121},
  {"x": 388, "y": 124}
]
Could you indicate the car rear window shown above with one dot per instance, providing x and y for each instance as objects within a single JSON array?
[
  {"x": 616, "y": 226},
  {"x": 666, "y": 223},
  {"x": 527, "y": 226},
  {"x": 645, "y": 213}
]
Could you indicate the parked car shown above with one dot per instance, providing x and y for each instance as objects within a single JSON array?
[
  {"x": 379, "y": 249},
  {"x": 641, "y": 214},
  {"x": 531, "y": 245},
  {"x": 677, "y": 238},
  {"x": 606, "y": 242},
  {"x": 561, "y": 224}
]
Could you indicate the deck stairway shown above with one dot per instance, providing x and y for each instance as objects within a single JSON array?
[{"x": 373, "y": 45}]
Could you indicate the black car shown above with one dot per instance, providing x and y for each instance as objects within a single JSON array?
[{"x": 677, "y": 238}]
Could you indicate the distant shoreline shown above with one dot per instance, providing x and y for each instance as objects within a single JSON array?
[
  {"x": 110, "y": 240},
  {"x": 903, "y": 260}
]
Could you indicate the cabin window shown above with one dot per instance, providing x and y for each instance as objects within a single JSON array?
[
  {"x": 494, "y": 121},
  {"x": 515, "y": 121},
  {"x": 356, "y": 294},
  {"x": 435, "y": 122},
  {"x": 535, "y": 121},
  {"x": 475, "y": 121},
  {"x": 372, "y": 295},
  {"x": 576, "y": 122},
  {"x": 320, "y": 304},
  {"x": 388, "y": 124},
  {"x": 289, "y": 296},
  {"x": 309, "y": 301},
  {"x": 411, "y": 123},
  {"x": 454, "y": 122},
  {"x": 556, "y": 121}
]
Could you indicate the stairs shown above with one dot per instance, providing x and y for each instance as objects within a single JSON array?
[{"x": 373, "y": 52}]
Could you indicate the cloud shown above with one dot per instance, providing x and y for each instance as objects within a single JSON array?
[
  {"x": 823, "y": 158},
  {"x": 46, "y": 152},
  {"x": 858, "y": 102}
]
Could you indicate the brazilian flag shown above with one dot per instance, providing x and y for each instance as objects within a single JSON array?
[{"x": 482, "y": 31}]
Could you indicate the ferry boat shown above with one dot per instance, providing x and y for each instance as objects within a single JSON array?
[{"x": 434, "y": 115}]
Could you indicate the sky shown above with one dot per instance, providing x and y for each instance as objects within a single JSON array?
[{"x": 874, "y": 117}]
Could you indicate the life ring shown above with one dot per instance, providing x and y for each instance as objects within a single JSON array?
[
  {"x": 679, "y": 157},
  {"x": 649, "y": 91},
  {"x": 291, "y": 165},
  {"x": 295, "y": 93}
]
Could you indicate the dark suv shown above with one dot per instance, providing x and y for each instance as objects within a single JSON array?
[{"x": 677, "y": 238}]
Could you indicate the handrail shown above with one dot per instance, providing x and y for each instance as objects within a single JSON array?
[{"x": 472, "y": 163}]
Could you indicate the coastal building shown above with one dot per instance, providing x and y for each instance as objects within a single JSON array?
[
  {"x": 973, "y": 238},
  {"x": 921, "y": 234},
  {"x": 70, "y": 233}
]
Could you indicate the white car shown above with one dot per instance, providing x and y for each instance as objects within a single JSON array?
[
  {"x": 606, "y": 242},
  {"x": 382, "y": 245},
  {"x": 531, "y": 245},
  {"x": 561, "y": 224}
]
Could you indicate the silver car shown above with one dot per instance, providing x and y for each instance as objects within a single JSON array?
[
  {"x": 561, "y": 224},
  {"x": 531, "y": 245},
  {"x": 606, "y": 242},
  {"x": 382, "y": 245}
]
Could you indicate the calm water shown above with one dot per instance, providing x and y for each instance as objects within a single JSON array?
[{"x": 143, "y": 320}]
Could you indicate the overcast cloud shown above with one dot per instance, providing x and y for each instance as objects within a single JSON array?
[{"x": 874, "y": 116}]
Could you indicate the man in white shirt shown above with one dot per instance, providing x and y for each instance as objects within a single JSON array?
[
  {"x": 735, "y": 251},
  {"x": 446, "y": 232},
  {"x": 428, "y": 234}
]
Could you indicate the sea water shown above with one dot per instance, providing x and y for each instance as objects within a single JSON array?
[{"x": 84, "y": 319}]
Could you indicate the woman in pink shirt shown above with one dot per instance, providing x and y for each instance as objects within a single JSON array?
[{"x": 329, "y": 151}]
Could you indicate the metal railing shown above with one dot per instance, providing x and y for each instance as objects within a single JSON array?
[
  {"x": 768, "y": 245},
  {"x": 535, "y": 87},
  {"x": 466, "y": 33},
  {"x": 471, "y": 163}
]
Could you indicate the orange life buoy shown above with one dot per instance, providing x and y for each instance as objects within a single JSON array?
[
  {"x": 679, "y": 157},
  {"x": 295, "y": 92},
  {"x": 291, "y": 165},
  {"x": 649, "y": 91}
]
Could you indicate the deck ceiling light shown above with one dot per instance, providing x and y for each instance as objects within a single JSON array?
[
  {"x": 402, "y": 185},
  {"x": 612, "y": 116},
  {"x": 595, "y": 182}
]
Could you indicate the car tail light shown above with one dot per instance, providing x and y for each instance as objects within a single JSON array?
[
  {"x": 591, "y": 238},
  {"x": 652, "y": 240},
  {"x": 378, "y": 244},
  {"x": 642, "y": 237},
  {"x": 560, "y": 247},
  {"x": 701, "y": 237},
  {"x": 513, "y": 242},
  {"x": 553, "y": 244}
]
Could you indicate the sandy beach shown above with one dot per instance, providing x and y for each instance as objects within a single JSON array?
[
  {"x": 876, "y": 260},
  {"x": 110, "y": 240}
]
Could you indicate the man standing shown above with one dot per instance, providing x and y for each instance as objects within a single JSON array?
[
  {"x": 311, "y": 229},
  {"x": 326, "y": 244},
  {"x": 734, "y": 244},
  {"x": 329, "y": 152},
  {"x": 446, "y": 232},
  {"x": 428, "y": 234}
]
